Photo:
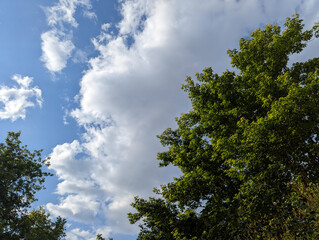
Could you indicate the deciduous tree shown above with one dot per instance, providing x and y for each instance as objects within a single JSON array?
[
  {"x": 21, "y": 177},
  {"x": 250, "y": 136}
]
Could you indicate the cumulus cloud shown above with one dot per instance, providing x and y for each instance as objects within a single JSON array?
[
  {"x": 131, "y": 93},
  {"x": 57, "y": 49},
  {"x": 84, "y": 209},
  {"x": 63, "y": 12},
  {"x": 57, "y": 45},
  {"x": 15, "y": 101},
  {"x": 78, "y": 234}
]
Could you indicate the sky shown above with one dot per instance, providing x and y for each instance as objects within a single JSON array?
[{"x": 92, "y": 82}]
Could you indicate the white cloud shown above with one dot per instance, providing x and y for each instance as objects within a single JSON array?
[
  {"x": 63, "y": 12},
  {"x": 131, "y": 92},
  {"x": 57, "y": 49},
  {"x": 77, "y": 234},
  {"x": 81, "y": 208},
  {"x": 89, "y": 15},
  {"x": 134, "y": 13},
  {"x": 15, "y": 101},
  {"x": 57, "y": 45},
  {"x": 79, "y": 56},
  {"x": 105, "y": 26}
]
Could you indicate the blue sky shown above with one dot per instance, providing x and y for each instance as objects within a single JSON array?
[{"x": 92, "y": 82}]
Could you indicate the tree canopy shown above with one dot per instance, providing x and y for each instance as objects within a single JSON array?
[
  {"x": 248, "y": 149},
  {"x": 21, "y": 177}
]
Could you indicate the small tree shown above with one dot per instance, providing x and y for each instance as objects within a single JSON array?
[
  {"x": 21, "y": 176},
  {"x": 247, "y": 138},
  {"x": 100, "y": 237}
]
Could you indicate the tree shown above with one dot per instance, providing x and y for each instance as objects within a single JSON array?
[
  {"x": 21, "y": 176},
  {"x": 244, "y": 148},
  {"x": 100, "y": 237},
  {"x": 38, "y": 226}
]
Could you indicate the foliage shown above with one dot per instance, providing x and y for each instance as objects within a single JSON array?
[
  {"x": 249, "y": 136},
  {"x": 37, "y": 226},
  {"x": 100, "y": 237},
  {"x": 21, "y": 176}
]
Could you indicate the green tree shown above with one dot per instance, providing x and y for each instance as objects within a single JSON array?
[
  {"x": 38, "y": 226},
  {"x": 21, "y": 177},
  {"x": 100, "y": 237},
  {"x": 249, "y": 137}
]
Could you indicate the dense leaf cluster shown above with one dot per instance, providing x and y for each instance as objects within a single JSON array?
[{"x": 245, "y": 148}]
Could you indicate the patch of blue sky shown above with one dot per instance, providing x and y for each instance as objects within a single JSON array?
[
  {"x": 21, "y": 23},
  {"x": 90, "y": 28}
]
